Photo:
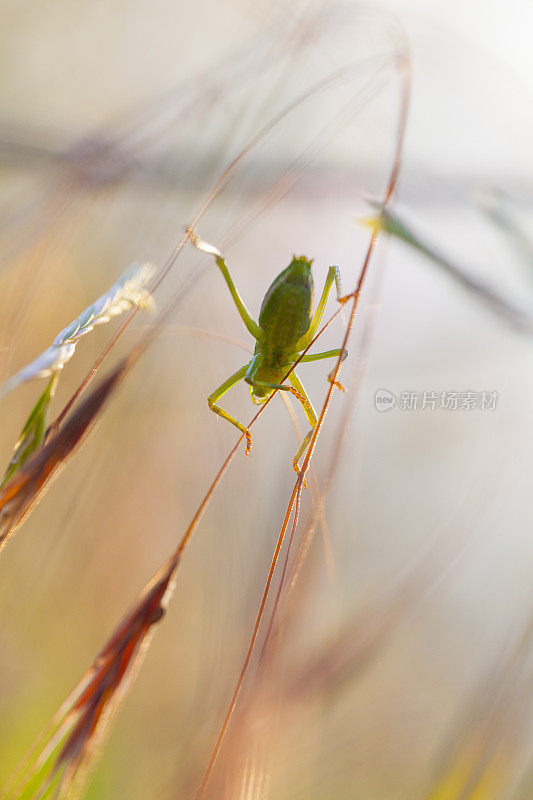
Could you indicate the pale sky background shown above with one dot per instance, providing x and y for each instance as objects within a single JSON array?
[{"x": 68, "y": 69}]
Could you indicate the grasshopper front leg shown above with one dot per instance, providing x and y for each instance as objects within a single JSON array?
[{"x": 244, "y": 314}]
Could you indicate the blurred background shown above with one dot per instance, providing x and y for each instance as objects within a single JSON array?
[{"x": 402, "y": 664}]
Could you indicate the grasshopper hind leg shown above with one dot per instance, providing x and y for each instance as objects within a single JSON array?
[{"x": 310, "y": 413}]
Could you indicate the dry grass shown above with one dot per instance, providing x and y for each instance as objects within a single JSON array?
[{"x": 247, "y": 746}]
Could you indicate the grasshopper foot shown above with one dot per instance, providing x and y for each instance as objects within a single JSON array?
[
  {"x": 248, "y": 442},
  {"x": 192, "y": 235},
  {"x": 339, "y": 386},
  {"x": 344, "y": 299}
]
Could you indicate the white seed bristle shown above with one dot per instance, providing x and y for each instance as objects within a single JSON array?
[{"x": 129, "y": 290}]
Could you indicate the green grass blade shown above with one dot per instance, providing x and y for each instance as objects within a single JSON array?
[
  {"x": 32, "y": 434},
  {"x": 502, "y": 212},
  {"x": 389, "y": 223}
]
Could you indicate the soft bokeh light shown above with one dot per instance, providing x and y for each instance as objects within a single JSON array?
[{"x": 401, "y": 667}]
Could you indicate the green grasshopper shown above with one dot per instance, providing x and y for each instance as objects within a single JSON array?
[{"x": 284, "y": 329}]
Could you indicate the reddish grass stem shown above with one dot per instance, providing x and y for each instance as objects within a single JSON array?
[{"x": 296, "y": 492}]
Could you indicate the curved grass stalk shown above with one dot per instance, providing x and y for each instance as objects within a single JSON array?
[
  {"x": 108, "y": 679},
  {"x": 382, "y": 65},
  {"x": 317, "y": 516},
  {"x": 5, "y": 533},
  {"x": 20, "y": 496},
  {"x": 294, "y": 502},
  {"x": 83, "y": 719}
]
